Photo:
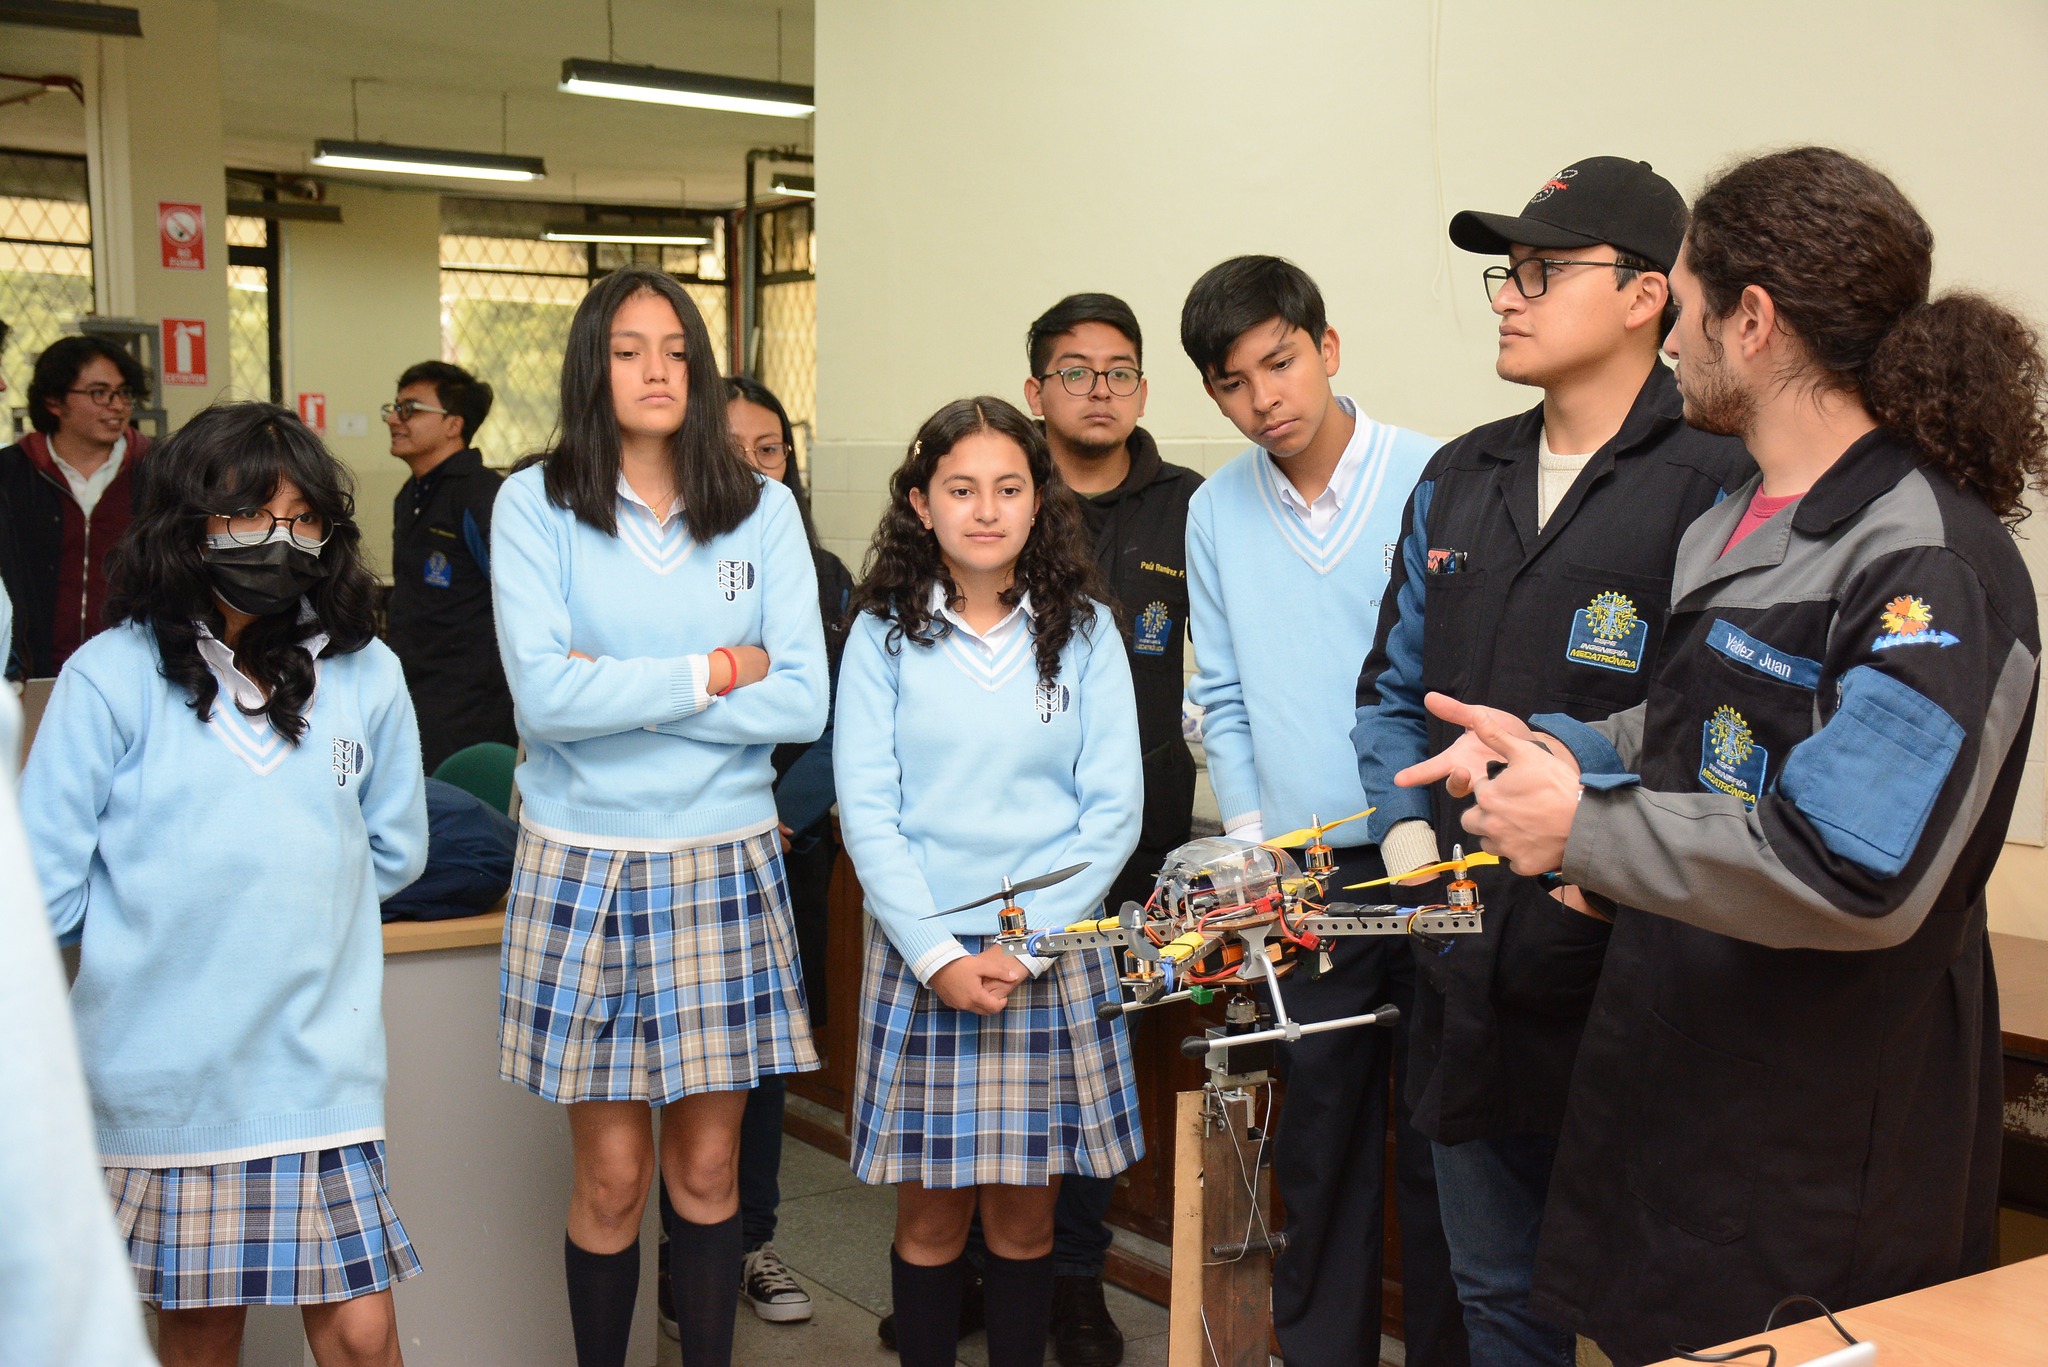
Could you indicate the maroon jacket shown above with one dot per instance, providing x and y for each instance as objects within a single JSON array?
[{"x": 52, "y": 557}]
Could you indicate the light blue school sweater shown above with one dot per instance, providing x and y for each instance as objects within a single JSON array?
[
  {"x": 955, "y": 771},
  {"x": 67, "y": 1295},
  {"x": 625, "y": 745},
  {"x": 231, "y": 978},
  {"x": 1282, "y": 620}
]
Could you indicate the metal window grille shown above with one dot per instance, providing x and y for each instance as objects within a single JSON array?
[
  {"x": 45, "y": 261},
  {"x": 785, "y": 344},
  {"x": 507, "y": 299},
  {"x": 253, "y": 325}
]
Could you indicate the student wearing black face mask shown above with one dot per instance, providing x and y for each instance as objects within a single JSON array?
[{"x": 229, "y": 779}]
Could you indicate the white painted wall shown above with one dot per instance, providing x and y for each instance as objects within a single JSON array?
[{"x": 978, "y": 161}]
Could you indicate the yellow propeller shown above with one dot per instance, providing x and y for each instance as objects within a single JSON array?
[
  {"x": 1308, "y": 833},
  {"x": 1432, "y": 870}
]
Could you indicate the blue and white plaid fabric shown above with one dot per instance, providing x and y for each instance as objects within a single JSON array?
[
  {"x": 952, "y": 1099},
  {"x": 297, "y": 1229},
  {"x": 629, "y": 976}
]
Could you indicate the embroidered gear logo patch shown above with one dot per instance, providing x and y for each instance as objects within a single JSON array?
[
  {"x": 735, "y": 577},
  {"x": 1153, "y": 630},
  {"x": 1607, "y": 634},
  {"x": 439, "y": 572},
  {"x": 1908, "y": 621},
  {"x": 1731, "y": 761}
]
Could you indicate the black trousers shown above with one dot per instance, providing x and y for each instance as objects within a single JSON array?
[{"x": 1329, "y": 1165}]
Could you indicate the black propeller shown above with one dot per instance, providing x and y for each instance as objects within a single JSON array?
[{"x": 1009, "y": 890}]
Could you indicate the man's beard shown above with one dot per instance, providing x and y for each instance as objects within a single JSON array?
[
  {"x": 1092, "y": 449},
  {"x": 1715, "y": 403}
]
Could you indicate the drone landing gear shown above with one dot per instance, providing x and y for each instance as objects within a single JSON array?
[{"x": 1257, "y": 1028}]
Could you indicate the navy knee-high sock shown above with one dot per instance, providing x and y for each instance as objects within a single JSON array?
[
  {"x": 927, "y": 1301},
  {"x": 704, "y": 1279},
  {"x": 1017, "y": 1294},
  {"x": 602, "y": 1289}
]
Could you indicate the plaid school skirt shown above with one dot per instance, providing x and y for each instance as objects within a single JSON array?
[
  {"x": 952, "y": 1099},
  {"x": 629, "y": 976},
  {"x": 296, "y": 1229}
]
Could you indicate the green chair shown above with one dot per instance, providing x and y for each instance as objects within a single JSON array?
[{"x": 483, "y": 770}]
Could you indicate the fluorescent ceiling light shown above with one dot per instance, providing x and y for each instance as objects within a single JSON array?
[
  {"x": 425, "y": 161},
  {"x": 695, "y": 89},
  {"x": 117, "y": 21},
  {"x": 797, "y": 187},
  {"x": 637, "y": 234}
]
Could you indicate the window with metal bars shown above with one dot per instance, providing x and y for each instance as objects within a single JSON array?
[
  {"x": 255, "y": 329},
  {"x": 45, "y": 264},
  {"x": 785, "y": 347},
  {"x": 507, "y": 298}
]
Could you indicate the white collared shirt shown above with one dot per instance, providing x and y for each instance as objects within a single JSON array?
[
  {"x": 1319, "y": 513},
  {"x": 992, "y": 641},
  {"x": 244, "y": 690},
  {"x": 661, "y": 519},
  {"x": 87, "y": 489}
]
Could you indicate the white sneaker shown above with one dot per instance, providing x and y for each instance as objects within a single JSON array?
[{"x": 765, "y": 1280}]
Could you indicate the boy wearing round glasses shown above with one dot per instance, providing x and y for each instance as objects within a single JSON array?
[
  {"x": 440, "y": 621},
  {"x": 1534, "y": 571},
  {"x": 66, "y": 497}
]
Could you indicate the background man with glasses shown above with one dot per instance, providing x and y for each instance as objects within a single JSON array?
[
  {"x": 439, "y": 622},
  {"x": 66, "y": 497},
  {"x": 1533, "y": 573}
]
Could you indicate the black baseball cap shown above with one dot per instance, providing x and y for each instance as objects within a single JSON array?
[{"x": 1613, "y": 200}]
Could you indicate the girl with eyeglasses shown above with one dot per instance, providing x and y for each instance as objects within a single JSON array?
[
  {"x": 657, "y": 616},
  {"x": 225, "y": 784},
  {"x": 987, "y": 729}
]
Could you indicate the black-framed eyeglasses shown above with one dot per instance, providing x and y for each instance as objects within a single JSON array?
[
  {"x": 107, "y": 396},
  {"x": 405, "y": 410},
  {"x": 1080, "y": 379},
  {"x": 1531, "y": 275},
  {"x": 254, "y": 526}
]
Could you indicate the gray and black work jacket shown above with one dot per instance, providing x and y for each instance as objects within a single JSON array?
[
  {"x": 1789, "y": 1082},
  {"x": 1485, "y": 606}
]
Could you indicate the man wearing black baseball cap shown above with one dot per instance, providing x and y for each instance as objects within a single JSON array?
[{"x": 1534, "y": 574}]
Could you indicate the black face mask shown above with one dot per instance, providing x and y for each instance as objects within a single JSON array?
[{"x": 260, "y": 580}]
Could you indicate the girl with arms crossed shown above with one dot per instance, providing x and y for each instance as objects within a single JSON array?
[
  {"x": 229, "y": 781},
  {"x": 987, "y": 727},
  {"x": 657, "y": 616}
]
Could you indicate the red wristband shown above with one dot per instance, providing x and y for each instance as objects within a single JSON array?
[{"x": 732, "y": 664}]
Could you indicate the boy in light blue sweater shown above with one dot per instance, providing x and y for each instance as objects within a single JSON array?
[
  {"x": 1289, "y": 550},
  {"x": 224, "y": 786}
]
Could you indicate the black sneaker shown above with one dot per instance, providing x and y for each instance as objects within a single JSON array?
[
  {"x": 973, "y": 1311},
  {"x": 766, "y": 1282},
  {"x": 664, "y": 1294},
  {"x": 1083, "y": 1334}
]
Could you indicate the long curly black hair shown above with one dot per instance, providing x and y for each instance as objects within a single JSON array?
[
  {"x": 1057, "y": 566},
  {"x": 232, "y": 456}
]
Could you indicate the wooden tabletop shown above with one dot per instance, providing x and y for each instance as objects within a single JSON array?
[
  {"x": 1996, "y": 1318},
  {"x": 414, "y": 937},
  {"x": 2022, "y": 965}
]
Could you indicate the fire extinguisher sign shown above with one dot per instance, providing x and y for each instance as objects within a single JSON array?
[{"x": 185, "y": 351}]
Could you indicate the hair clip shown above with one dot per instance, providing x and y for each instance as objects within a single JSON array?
[{"x": 916, "y": 448}]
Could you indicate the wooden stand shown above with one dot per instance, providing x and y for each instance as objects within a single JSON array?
[{"x": 1221, "y": 1315}]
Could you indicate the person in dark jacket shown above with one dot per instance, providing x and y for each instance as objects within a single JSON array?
[
  {"x": 1789, "y": 1084},
  {"x": 1533, "y": 574},
  {"x": 66, "y": 495},
  {"x": 439, "y": 621}
]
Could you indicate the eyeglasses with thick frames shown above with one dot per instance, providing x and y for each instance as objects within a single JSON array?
[
  {"x": 1531, "y": 275},
  {"x": 107, "y": 396},
  {"x": 254, "y": 526},
  {"x": 1079, "y": 380},
  {"x": 408, "y": 409}
]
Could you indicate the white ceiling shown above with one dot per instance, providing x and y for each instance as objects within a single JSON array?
[{"x": 433, "y": 73}]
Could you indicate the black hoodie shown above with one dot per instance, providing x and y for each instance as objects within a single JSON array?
[{"x": 1140, "y": 530}]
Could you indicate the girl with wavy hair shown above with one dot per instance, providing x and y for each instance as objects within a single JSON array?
[
  {"x": 986, "y": 729},
  {"x": 658, "y": 619},
  {"x": 228, "y": 781}
]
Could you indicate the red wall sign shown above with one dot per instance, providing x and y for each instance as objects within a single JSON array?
[
  {"x": 185, "y": 351},
  {"x": 181, "y": 229},
  {"x": 313, "y": 411}
]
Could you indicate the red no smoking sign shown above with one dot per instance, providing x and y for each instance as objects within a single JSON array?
[{"x": 181, "y": 229}]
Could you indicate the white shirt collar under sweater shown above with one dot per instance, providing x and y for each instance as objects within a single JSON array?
[
  {"x": 660, "y": 519},
  {"x": 86, "y": 489},
  {"x": 992, "y": 641},
  {"x": 240, "y": 687},
  {"x": 1320, "y": 512}
]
